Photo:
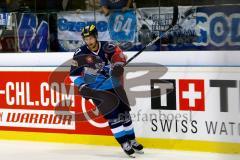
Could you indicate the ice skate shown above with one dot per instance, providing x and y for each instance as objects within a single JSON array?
[
  {"x": 128, "y": 149},
  {"x": 138, "y": 148}
]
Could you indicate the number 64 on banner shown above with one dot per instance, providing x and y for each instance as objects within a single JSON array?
[{"x": 122, "y": 26}]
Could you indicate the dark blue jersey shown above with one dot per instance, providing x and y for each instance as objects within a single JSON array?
[{"x": 93, "y": 68}]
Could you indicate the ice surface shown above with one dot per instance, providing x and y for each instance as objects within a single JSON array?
[{"x": 21, "y": 150}]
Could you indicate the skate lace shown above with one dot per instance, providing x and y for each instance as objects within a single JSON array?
[
  {"x": 126, "y": 146},
  {"x": 134, "y": 143}
]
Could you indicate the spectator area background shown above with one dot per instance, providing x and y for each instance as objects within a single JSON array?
[{"x": 49, "y": 11}]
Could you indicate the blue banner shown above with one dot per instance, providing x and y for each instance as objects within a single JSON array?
[
  {"x": 206, "y": 28},
  {"x": 216, "y": 28},
  {"x": 118, "y": 27},
  {"x": 32, "y": 33},
  {"x": 122, "y": 26},
  {"x": 4, "y": 19}
]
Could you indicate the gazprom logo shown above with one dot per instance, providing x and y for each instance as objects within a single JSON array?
[{"x": 77, "y": 26}]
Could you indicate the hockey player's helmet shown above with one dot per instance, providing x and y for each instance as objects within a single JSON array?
[{"x": 89, "y": 30}]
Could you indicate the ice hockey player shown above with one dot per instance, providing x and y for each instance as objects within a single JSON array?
[{"x": 97, "y": 70}]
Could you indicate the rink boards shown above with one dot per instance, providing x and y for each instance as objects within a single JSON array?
[{"x": 186, "y": 106}]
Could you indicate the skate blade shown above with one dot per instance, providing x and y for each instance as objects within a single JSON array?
[
  {"x": 139, "y": 152},
  {"x": 132, "y": 156}
]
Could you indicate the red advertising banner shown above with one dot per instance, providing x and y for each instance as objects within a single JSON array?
[{"x": 44, "y": 101}]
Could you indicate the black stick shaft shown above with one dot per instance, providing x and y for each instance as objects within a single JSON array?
[{"x": 158, "y": 37}]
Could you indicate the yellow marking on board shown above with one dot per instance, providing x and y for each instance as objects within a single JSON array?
[{"x": 171, "y": 144}]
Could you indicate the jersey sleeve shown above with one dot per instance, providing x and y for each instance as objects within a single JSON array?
[
  {"x": 116, "y": 56},
  {"x": 76, "y": 71}
]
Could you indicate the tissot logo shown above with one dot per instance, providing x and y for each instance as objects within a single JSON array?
[{"x": 191, "y": 94}]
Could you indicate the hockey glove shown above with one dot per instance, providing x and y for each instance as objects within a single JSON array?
[{"x": 86, "y": 92}]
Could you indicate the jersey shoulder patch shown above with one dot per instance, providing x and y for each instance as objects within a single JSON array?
[
  {"x": 81, "y": 50},
  {"x": 78, "y": 50}
]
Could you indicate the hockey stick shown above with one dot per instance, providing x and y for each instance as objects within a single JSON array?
[
  {"x": 174, "y": 22},
  {"x": 171, "y": 26}
]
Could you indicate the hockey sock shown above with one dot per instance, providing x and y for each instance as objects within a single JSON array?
[
  {"x": 118, "y": 131},
  {"x": 128, "y": 127}
]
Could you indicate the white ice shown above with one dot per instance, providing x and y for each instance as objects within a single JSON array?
[{"x": 20, "y": 150}]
